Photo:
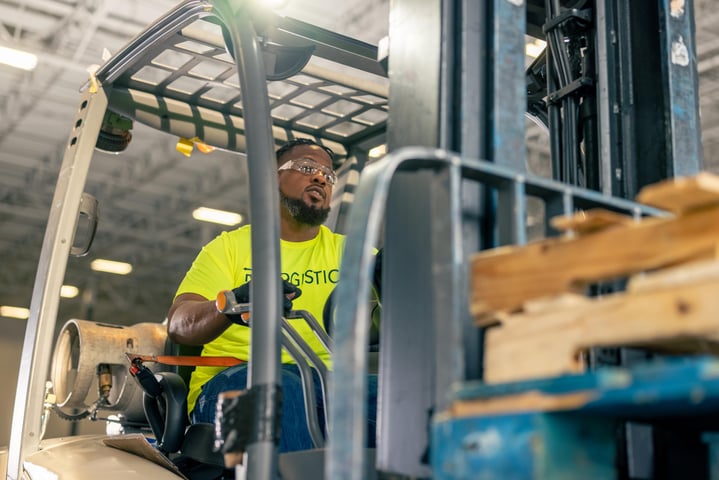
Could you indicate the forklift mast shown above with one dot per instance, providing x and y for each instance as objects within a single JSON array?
[{"x": 615, "y": 77}]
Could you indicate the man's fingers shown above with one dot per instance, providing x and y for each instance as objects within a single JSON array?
[{"x": 291, "y": 289}]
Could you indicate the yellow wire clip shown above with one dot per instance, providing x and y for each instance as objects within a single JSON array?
[
  {"x": 94, "y": 85},
  {"x": 186, "y": 145}
]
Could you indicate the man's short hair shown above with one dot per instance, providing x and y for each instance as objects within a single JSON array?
[{"x": 302, "y": 141}]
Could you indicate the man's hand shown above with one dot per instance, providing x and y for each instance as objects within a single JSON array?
[
  {"x": 242, "y": 295},
  {"x": 291, "y": 292}
]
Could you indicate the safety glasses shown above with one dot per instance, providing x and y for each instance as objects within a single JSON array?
[{"x": 309, "y": 167}]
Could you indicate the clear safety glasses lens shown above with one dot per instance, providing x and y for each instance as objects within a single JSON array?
[{"x": 309, "y": 167}]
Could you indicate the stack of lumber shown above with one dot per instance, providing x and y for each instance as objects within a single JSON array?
[{"x": 534, "y": 299}]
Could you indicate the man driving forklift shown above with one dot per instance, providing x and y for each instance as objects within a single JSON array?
[{"x": 310, "y": 258}]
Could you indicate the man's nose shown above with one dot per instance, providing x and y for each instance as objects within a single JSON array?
[{"x": 319, "y": 177}]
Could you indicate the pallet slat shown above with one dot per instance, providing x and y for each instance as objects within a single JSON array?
[
  {"x": 504, "y": 279},
  {"x": 542, "y": 323},
  {"x": 682, "y": 195},
  {"x": 590, "y": 221},
  {"x": 677, "y": 317}
]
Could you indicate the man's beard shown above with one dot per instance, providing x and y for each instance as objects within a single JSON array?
[{"x": 304, "y": 213}]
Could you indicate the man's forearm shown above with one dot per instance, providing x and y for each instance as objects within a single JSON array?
[{"x": 194, "y": 320}]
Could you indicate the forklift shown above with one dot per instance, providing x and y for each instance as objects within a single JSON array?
[{"x": 450, "y": 98}]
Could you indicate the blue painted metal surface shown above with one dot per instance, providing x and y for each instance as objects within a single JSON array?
[
  {"x": 479, "y": 448},
  {"x": 682, "y": 84},
  {"x": 525, "y": 446},
  {"x": 509, "y": 101},
  {"x": 577, "y": 441},
  {"x": 682, "y": 386}
]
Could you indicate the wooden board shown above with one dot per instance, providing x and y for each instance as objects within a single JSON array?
[
  {"x": 590, "y": 221},
  {"x": 522, "y": 402},
  {"x": 605, "y": 246},
  {"x": 679, "y": 315},
  {"x": 682, "y": 195},
  {"x": 666, "y": 278},
  {"x": 535, "y": 296},
  {"x": 503, "y": 279}
]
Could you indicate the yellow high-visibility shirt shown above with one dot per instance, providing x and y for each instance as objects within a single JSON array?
[{"x": 225, "y": 263}]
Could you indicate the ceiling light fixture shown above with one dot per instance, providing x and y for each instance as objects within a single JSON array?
[
  {"x": 69, "y": 291},
  {"x": 18, "y": 58},
  {"x": 110, "y": 266},
  {"x": 14, "y": 312},
  {"x": 212, "y": 215}
]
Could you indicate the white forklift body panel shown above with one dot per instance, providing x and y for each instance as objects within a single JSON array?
[{"x": 87, "y": 456}]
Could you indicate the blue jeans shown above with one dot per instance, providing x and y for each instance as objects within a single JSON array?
[{"x": 294, "y": 433}]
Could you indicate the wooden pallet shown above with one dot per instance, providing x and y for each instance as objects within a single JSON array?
[{"x": 534, "y": 295}]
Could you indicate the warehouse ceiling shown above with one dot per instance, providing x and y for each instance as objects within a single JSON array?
[{"x": 148, "y": 193}]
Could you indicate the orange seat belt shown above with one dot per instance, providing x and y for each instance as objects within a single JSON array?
[{"x": 186, "y": 360}]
